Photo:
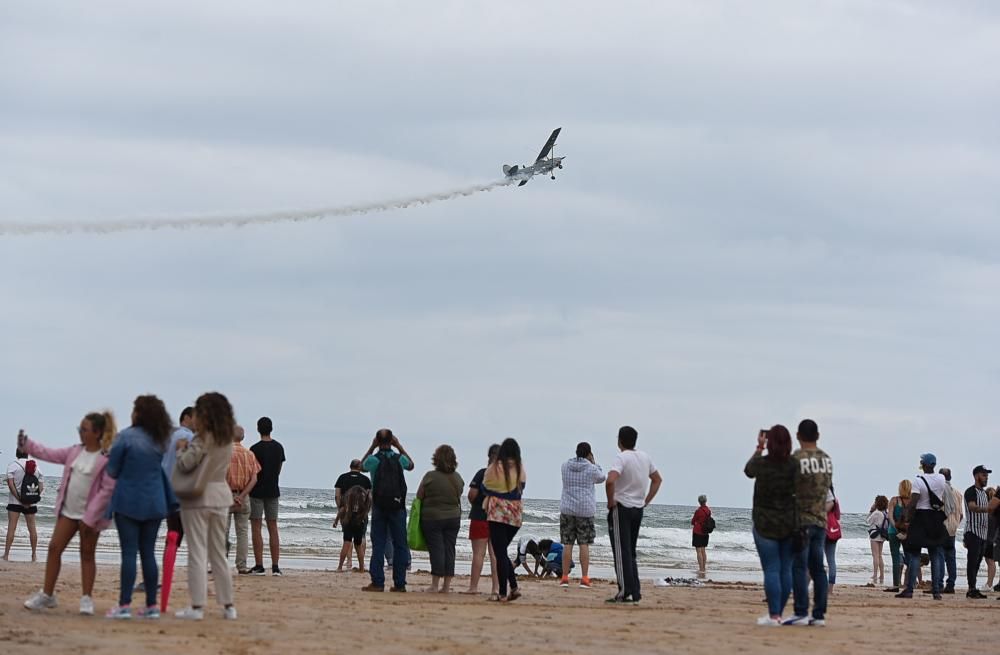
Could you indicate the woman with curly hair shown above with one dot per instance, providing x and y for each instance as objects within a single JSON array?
[
  {"x": 81, "y": 505},
  {"x": 441, "y": 515},
  {"x": 205, "y": 502},
  {"x": 141, "y": 500}
]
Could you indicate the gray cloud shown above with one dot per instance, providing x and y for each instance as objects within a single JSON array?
[{"x": 767, "y": 212}]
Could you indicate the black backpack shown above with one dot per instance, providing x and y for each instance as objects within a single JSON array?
[
  {"x": 390, "y": 486},
  {"x": 30, "y": 492},
  {"x": 708, "y": 526}
]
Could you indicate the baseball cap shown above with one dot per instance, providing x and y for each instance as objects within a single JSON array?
[
  {"x": 980, "y": 469},
  {"x": 928, "y": 459}
]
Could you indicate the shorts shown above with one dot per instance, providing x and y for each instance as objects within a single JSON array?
[
  {"x": 576, "y": 529},
  {"x": 21, "y": 509},
  {"x": 266, "y": 508},
  {"x": 355, "y": 532},
  {"x": 699, "y": 540},
  {"x": 478, "y": 530}
]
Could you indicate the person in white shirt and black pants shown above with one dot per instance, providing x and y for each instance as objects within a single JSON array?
[{"x": 627, "y": 497}]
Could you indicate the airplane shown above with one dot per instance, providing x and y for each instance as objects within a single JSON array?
[{"x": 544, "y": 163}]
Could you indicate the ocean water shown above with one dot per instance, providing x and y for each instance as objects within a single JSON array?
[{"x": 309, "y": 540}]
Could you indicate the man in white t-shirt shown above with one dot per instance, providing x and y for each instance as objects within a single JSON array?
[
  {"x": 926, "y": 526},
  {"x": 627, "y": 497}
]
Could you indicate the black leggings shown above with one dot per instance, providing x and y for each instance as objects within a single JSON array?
[{"x": 501, "y": 536}]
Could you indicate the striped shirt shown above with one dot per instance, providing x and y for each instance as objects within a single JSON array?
[
  {"x": 242, "y": 466},
  {"x": 977, "y": 522}
]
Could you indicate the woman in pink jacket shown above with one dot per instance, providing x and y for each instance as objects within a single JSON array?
[{"x": 84, "y": 494}]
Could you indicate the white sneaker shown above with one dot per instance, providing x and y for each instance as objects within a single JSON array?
[
  {"x": 768, "y": 621},
  {"x": 817, "y": 622},
  {"x": 797, "y": 621},
  {"x": 190, "y": 614},
  {"x": 229, "y": 613},
  {"x": 40, "y": 601},
  {"x": 86, "y": 606}
]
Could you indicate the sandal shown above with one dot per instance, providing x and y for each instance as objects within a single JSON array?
[{"x": 494, "y": 598}]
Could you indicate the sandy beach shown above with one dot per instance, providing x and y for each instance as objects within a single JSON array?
[{"x": 325, "y": 612}]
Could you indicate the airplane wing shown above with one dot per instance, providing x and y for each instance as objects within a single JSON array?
[
  {"x": 523, "y": 182},
  {"x": 548, "y": 144}
]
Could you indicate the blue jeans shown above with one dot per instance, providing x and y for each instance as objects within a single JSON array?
[
  {"x": 949, "y": 562},
  {"x": 937, "y": 568},
  {"x": 138, "y": 537},
  {"x": 831, "y": 560},
  {"x": 776, "y": 561},
  {"x": 384, "y": 523},
  {"x": 809, "y": 563},
  {"x": 390, "y": 549}
]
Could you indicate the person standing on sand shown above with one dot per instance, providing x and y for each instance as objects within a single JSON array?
[
  {"x": 241, "y": 478},
  {"x": 264, "y": 497},
  {"x": 925, "y": 526},
  {"x": 813, "y": 482},
  {"x": 976, "y": 528},
  {"x": 479, "y": 530},
  {"x": 388, "y": 508},
  {"x": 699, "y": 536},
  {"x": 440, "y": 493},
  {"x": 206, "y": 513},
  {"x": 774, "y": 516},
  {"x": 355, "y": 527},
  {"x": 81, "y": 506},
  {"x": 627, "y": 497},
  {"x": 185, "y": 431},
  {"x": 504, "y": 484},
  {"x": 897, "y": 507},
  {"x": 953, "y": 518},
  {"x": 878, "y": 532},
  {"x": 142, "y": 498},
  {"x": 577, "y": 508},
  {"x": 16, "y": 506}
]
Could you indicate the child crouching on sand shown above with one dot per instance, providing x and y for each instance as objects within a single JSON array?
[{"x": 81, "y": 505}]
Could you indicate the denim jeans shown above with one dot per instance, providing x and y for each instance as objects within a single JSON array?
[
  {"x": 949, "y": 562},
  {"x": 137, "y": 537},
  {"x": 831, "y": 560},
  {"x": 809, "y": 563},
  {"x": 776, "y": 561},
  {"x": 895, "y": 547},
  {"x": 384, "y": 523},
  {"x": 937, "y": 568}
]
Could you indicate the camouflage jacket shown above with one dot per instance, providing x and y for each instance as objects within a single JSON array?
[{"x": 813, "y": 480}]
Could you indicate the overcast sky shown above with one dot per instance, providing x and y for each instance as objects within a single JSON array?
[{"x": 769, "y": 211}]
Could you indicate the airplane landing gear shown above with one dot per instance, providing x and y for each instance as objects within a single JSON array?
[{"x": 553, "y": 177}]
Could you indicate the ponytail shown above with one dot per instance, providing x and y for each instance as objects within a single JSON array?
[{"x": 104, "y": 422}]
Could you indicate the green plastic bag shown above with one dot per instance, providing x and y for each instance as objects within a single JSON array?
[{"x": 414, "y": 535}]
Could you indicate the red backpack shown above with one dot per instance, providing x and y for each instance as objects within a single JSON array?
[{"x": 833, "y": 532}]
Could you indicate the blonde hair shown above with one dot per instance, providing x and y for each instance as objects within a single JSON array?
[
  {"x": 104, "y": 422},
  {"x": 905, "y": 489}
]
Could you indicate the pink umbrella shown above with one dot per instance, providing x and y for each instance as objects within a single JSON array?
[{"x": 169, "y": 555}]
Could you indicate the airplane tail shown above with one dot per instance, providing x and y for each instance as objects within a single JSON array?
[{"x": 510, "y": 170}]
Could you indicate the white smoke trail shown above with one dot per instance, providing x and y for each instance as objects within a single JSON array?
[{"x": 237, "y": 220}]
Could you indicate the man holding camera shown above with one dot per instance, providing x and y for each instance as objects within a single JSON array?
[{"x": 386, "y": 460}]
